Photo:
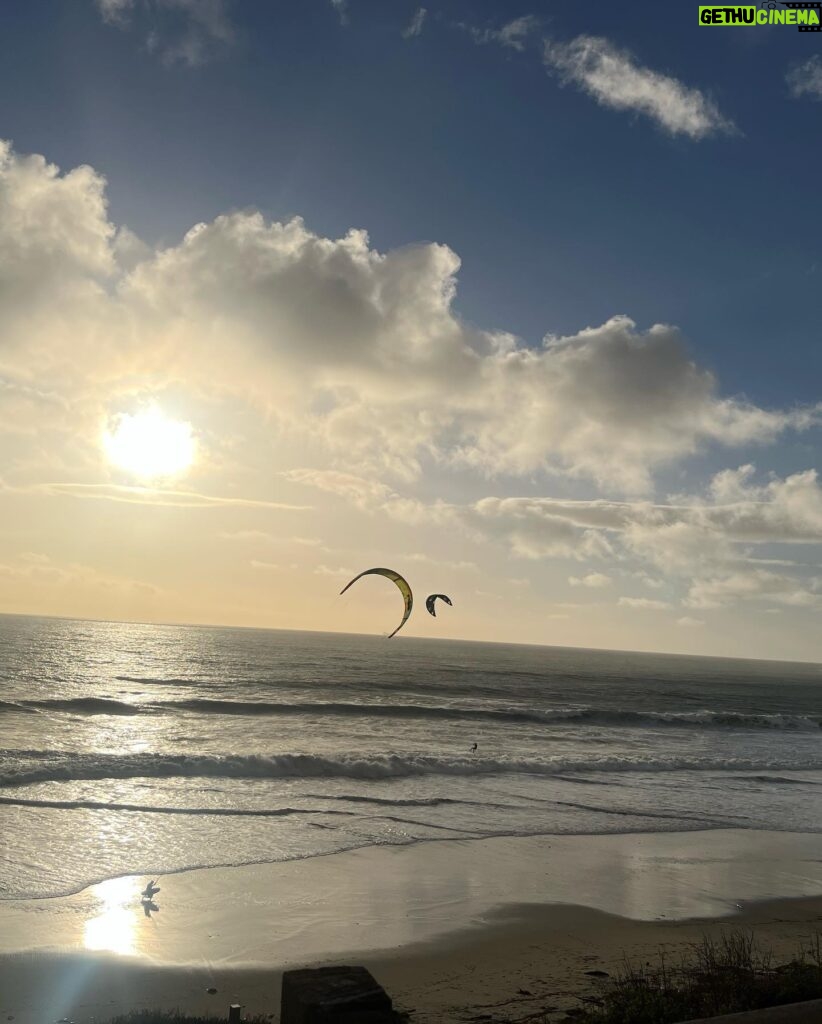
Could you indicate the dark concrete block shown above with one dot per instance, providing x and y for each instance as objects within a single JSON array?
[{"x": 334, "y": 995}]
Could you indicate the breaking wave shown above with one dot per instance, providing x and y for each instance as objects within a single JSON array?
[
  {"x": 20, "y": 768},
  {"x": 703, "y": 719}
]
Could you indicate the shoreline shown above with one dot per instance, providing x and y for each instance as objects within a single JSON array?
[
  {"x": 370, "y": 848},
  {"x": 519, "y": 960},
  {"x": 442, "y": 925}
]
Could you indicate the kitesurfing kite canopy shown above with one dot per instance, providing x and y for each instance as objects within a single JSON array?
[
  {"x": 429, "y": 602},
  {"x": 405, "y": 590}
]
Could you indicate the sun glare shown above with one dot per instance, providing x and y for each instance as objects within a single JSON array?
[
  {"x": 149, "y": 444},
  {"x": 112, "y": 929}
]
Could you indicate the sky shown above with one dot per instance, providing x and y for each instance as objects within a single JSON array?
[{"x": 521, "y": 301}]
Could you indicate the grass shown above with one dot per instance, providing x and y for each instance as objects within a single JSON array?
[{"x": 724, "y": 975}]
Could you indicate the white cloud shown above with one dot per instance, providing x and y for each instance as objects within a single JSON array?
[
  {"x": 643, "y": 602},
  {"x": 414, "y": 27},
  {"x": 805, "y": 79},
  {"x": 42, "y": 570},
  {"x": 441, "y": 563},
  {"x": 338, "y": 570},
  {"x": 614, "y": 79},
  {"x": 188, "y": 32},
  {"x": 115, "y": 12},
  {"x": 782, "y": 511},
  {"x": 593, "y": 579},
  {"x": 248, "y": 536},
  {"x": 55, "y": 238},
  {"x": 133, "y": 495},
  {"x": 652, "y": 582},
  {"x": 335, "y": 324},
  {"x": 341, "y": 7},
  {"x": 356, "y": 359},
  {"x": 361, "y": 492},
  {"x": 706, "y": 546},
  {"x": 689, "y": 623},
  {"x": 513, "y": 34},
  {"x": 758, "y": 584}
]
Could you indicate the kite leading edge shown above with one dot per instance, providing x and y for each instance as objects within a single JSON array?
[{"x": 404, "y": 589}]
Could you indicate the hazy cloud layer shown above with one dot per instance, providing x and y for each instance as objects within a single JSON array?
[
  {"x": 706, "y": 548},
  {"x": 615, "y": 79}
]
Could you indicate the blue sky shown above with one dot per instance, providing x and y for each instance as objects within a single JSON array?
[{"x": 564, "y": 209}]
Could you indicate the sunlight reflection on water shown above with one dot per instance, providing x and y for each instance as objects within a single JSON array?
[{"x": 113, "y": 928}]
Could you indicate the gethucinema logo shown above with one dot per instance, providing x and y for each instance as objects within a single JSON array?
[{"x": 805, "y": 16}]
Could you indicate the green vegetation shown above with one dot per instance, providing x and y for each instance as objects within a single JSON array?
[{"x": 725, "y": 975}]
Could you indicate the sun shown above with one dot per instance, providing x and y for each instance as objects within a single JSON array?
[{"x": 149, "y": 444}]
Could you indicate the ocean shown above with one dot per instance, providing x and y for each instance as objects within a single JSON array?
[{"x": 142, "y": 749}]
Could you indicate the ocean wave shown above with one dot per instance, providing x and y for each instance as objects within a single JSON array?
[
  {"x": 776, "y": 780},
  {"x": 76, "y": 705},
  {"x": 20, "y": 768},
  {"x": 231, "y": 812},
  {"x": 244, "y": 812},
  {"x": 614, "y": 718},
  {"x": 223, "y": 812}
]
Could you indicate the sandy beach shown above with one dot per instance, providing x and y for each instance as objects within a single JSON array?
[{"x": 454, "y": 930}]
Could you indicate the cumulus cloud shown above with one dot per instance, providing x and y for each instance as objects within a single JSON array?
[
  {"x": 359, "y": 349},
  {"x": 188, "y": 32},
  {"x": 614, "y": 79},
  {"x": 611, "y": 403},
  {"x": 359, "y": 357},
  {"x": 55, "y": 237},
  {"x": 687, "y": 622},
  {"x": 414, "y": 27},
  {"x": 805, "y": 78}
]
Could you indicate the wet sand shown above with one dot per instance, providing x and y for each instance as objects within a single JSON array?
[{"x": 454, "y": 930}]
